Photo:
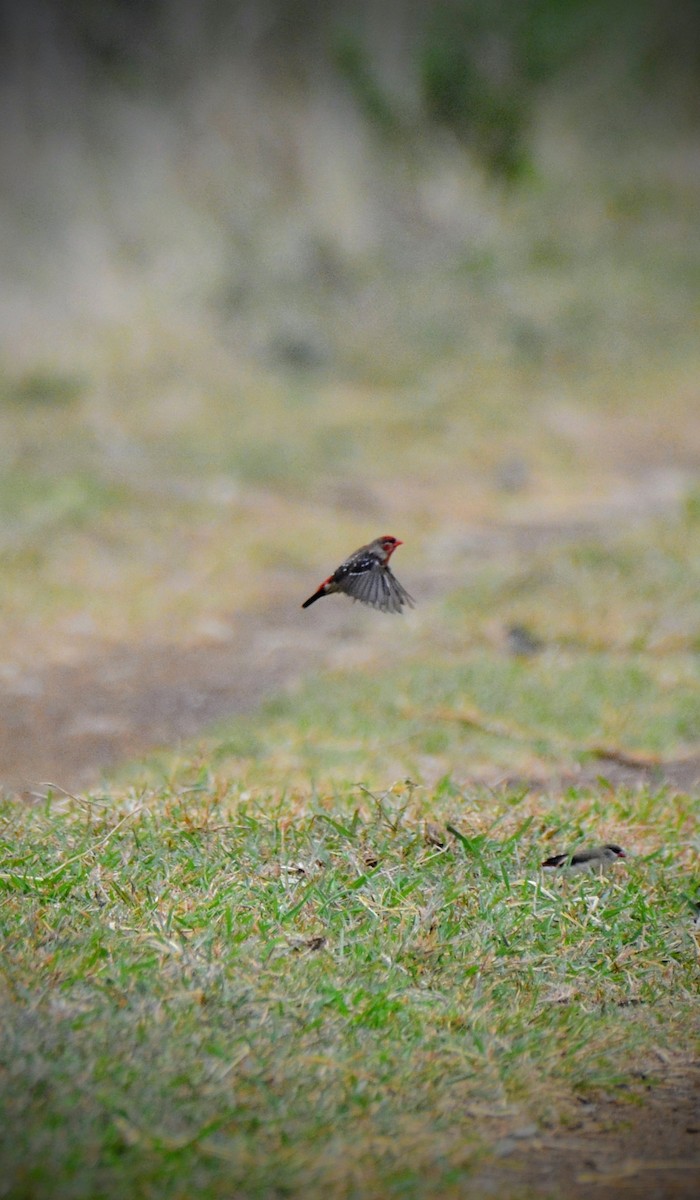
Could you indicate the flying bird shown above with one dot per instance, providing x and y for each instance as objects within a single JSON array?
[
  {"x": 597, "y": 858},
  {"x": 366, "y": 576}
]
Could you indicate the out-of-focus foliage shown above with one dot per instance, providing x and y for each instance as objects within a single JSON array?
[{"x": 474, "y": 67}]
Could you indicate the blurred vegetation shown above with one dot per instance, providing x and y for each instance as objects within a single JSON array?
[
  {"x": 260, "y": 260},
  {"x": 474, "y": 66},
  {"x": 540, "y": 37}
]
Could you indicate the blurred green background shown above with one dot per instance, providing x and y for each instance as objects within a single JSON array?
[{"x": 275, "y": 279}]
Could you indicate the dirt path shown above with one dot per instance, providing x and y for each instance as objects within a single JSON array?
[{"x": 71, "y": 723}]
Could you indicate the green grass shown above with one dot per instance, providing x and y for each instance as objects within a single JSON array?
[
  {"x": 425, "y": 719},
  {"x": 170, "y": 1023}
]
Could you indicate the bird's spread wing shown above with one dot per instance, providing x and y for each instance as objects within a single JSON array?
[{"x": 375, "y": 585}]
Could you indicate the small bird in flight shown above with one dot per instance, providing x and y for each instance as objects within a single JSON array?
[
  {"x": 598, "y": 858},
  {"x": 366, "y": 576}
]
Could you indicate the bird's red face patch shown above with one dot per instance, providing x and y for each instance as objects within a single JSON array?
[{"x": 389, "y": 544}]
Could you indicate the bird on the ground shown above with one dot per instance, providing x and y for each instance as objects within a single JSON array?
[
  {"x": 597, "y": 858},
  {"x": 366, "y": 576}
]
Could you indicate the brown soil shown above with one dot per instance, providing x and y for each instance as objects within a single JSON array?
[
  {"x": 646, "y": 1150},
  {"x": 70, "y": 723}
]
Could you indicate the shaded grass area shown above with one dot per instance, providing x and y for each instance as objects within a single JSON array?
[{"x": 205, "y": 991}]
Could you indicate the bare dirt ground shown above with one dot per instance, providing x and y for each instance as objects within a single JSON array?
[
  {"x": 646, "y": 1151},
  {"x": 70, "y": 723}
]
